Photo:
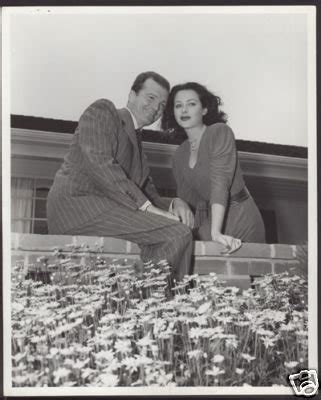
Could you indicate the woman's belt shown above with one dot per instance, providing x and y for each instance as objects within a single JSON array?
[{"x": 240, "y": 196}]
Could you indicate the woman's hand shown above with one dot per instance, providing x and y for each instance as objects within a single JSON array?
[
  {"x": 158, "y": 211},
  {"x": 232, "y": 244},
  {"x": 182, "y": 210}
]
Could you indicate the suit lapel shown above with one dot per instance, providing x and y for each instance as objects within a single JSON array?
[{"x": 128, "y": 126}]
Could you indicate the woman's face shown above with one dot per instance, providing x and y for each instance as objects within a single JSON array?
[{"x": 188, "y": 109}]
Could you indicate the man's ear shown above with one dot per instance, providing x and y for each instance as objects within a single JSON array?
[{"x": 132, "y": 96}]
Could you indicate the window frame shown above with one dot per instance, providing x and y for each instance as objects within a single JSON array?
[{"x": 38, "y": 183}]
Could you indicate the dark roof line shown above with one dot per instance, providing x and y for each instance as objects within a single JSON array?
[{"x": 62, "y": 126}]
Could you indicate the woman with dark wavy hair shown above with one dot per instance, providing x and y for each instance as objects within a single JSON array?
[{"x": 207, "y": 170}]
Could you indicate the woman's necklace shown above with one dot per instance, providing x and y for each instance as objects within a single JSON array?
[{"x": 194, "y": 144}]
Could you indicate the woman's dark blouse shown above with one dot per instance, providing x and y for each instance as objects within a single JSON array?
[{"x": 216, "y": 175}]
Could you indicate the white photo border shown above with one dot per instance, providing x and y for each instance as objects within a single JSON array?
[{"x": 312, "y": 203}]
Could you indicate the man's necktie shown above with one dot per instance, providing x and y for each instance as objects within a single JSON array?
[{"x": 139, "y": 140}]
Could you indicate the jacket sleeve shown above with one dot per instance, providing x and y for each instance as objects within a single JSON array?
[
  {"x": 97, "y": 130},
  {"x": 223, "y": 157},
  {"x": 153, "y": 195},
  {"x": 150, "y": 190}
]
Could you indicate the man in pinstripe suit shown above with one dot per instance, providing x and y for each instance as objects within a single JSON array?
[{"x": 104, "y": 188}]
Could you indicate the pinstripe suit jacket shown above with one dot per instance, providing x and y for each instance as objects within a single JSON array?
[{"x": 103, "y": 169}]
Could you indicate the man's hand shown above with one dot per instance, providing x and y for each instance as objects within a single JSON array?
[
  {"x": 158, "y": 211},
  {"x": 183, "y": 212}
]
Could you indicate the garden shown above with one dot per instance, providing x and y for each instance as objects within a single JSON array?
[{"x": 103, "y": 323}]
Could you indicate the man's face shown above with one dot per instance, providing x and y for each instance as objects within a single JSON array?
[{"x": 148, "y": 104}]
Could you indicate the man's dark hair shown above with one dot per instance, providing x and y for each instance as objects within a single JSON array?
[{"x": 142, "y": 77}]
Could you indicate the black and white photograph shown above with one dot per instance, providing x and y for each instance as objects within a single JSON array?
[{"x": 159, "y": 200}]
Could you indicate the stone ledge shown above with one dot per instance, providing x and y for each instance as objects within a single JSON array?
[
  {"x": 248, "y": 250},
  {"x": 110, "y": 245},
  {"x": 34, "y": 252}
]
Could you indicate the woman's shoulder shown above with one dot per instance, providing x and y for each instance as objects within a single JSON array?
[
  {"x": 220, "y": 138},
  {"x": 219, "y": 132},
  {"x": 219, "y": 127}
]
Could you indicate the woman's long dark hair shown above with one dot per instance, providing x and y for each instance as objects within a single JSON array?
[{"x": 209, "y": 100}]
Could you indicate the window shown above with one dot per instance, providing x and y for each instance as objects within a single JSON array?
[
  {"x": 28, "y": 205},
  {"x": 269, "y": 219}
]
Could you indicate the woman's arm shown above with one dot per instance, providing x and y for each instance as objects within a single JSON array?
[
  {"x": 231, "y": 243},
  {"x": 218, "y": 213},
  {"x": 181, "y": 204},
  {"x": 222, "y": 170}
]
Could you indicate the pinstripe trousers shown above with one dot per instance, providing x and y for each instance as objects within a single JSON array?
[{"x": 158, "y": 237}]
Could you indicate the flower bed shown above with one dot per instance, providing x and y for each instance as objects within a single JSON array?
[{"x": 107, "y": 324}]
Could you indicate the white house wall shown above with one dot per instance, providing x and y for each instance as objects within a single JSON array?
[{"x": 277, "y": 183}]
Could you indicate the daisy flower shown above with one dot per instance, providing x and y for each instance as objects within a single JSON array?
[{"x": 215, "y": 371}]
